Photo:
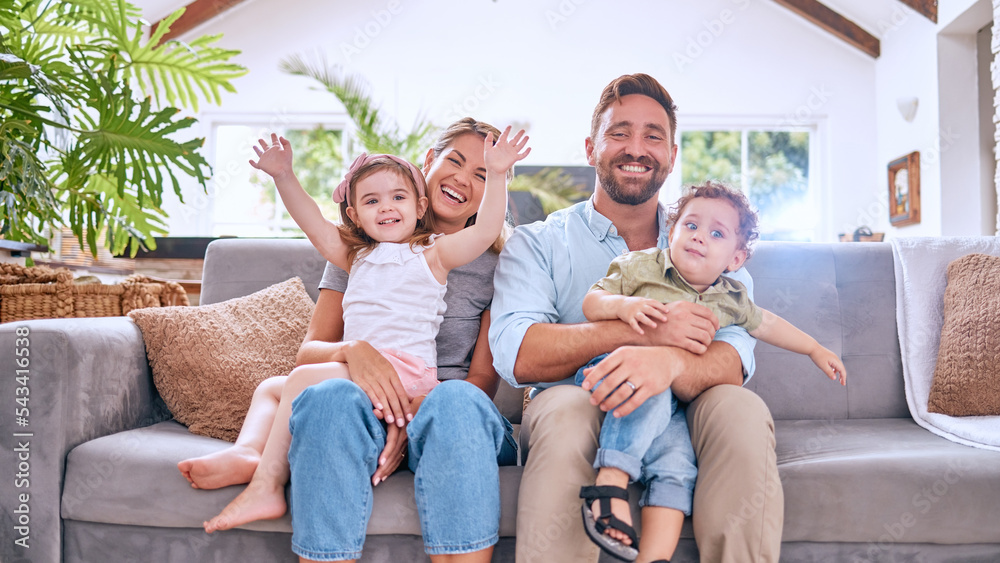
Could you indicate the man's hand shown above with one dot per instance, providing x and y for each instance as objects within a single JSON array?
[
  {"x": 688, "y": 326},
  {"x": 647, "y": 370}
]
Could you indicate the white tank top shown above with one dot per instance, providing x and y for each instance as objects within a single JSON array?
[{"x": 394, "y": 302}]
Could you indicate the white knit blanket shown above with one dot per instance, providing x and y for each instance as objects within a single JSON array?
[{"x": 921, "y": 265}]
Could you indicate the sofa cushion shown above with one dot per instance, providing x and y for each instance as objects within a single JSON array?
[
  {"x": 207, "y": 361},
  {"x": 967, "y": 374},
  {"x": 132, "y": 478},
  {"x": 884, "y": 480},
  {"x": 844, "y": 295}
]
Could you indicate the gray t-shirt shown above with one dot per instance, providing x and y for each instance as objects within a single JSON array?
[{"x": 470, "y": 291}]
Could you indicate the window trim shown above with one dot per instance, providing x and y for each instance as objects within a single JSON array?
[{"x": 819, "y": 180}]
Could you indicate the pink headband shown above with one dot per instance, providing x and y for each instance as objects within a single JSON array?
[{"x": 342, "y": 192}]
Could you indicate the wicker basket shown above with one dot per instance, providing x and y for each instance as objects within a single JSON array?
[{"x": 41, "y": 292}]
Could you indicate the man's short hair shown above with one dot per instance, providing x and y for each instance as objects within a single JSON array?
[{"x": 634, "y": 84}]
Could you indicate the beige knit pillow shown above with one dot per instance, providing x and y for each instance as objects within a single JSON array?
[
  {"x": 208, "y": 360},
  {"x": 967, "y": 375}
]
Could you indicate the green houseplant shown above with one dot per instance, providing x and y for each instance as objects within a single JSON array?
[{"x": 92, "y": 130}]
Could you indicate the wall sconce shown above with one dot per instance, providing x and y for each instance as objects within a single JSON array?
[{"x": 907, "y": 107}]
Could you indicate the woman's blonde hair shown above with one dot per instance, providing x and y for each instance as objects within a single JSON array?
[
  {"x": 466, "y": 126},
  {"x": 357, "y": 240}
]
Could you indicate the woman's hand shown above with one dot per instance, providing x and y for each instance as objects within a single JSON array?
[
  {"x": 377, "y": 378},
  {"x": 395, "y": 447}
]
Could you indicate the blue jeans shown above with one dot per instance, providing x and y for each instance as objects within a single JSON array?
[
  {"x": 455, "y": 442},
  {"x": 652, "y": 444}
]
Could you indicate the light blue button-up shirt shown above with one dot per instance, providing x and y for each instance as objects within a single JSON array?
[{"x": 545, "y": 270}]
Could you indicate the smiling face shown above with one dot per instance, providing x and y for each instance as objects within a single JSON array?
[
  {"x": 456, "y": 178},
  {"x": 632, "y": 149},
  {"x": 386, "y": 206},
  {"x": 704, "y": 242}
]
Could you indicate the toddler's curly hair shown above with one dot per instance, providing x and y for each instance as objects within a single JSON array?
[{"x": 747, "y": 229}]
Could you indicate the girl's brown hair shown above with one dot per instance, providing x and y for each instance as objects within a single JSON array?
[
  {"x": 465, "y": 126},
  {"x": 746, "y": 232},
  {"x": 358, "y": 241}
]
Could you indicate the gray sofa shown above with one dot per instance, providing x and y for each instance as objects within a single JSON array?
[{"x": 862, "y": 481}]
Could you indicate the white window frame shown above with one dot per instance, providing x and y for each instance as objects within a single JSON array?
[
  {"x": 820, "y": 194},
  {"x": 267, "y": 122}
]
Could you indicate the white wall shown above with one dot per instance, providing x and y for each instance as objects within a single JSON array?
[
  {"x": 937, "y": 64},
  {"x": 545, "y": 62}
]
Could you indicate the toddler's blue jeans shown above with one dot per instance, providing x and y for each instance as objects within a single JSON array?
[{"x": 652, "y": 444}]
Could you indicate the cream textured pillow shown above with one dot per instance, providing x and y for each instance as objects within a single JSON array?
[
  {"x": 208, "y": 360},
  {"x": 967, "y": 375}
]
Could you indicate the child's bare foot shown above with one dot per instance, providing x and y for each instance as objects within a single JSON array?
[
  {"x": 232, "y": 466},
  {"x": 258, "y": 501},
  {"x": 619, "y": 507}
]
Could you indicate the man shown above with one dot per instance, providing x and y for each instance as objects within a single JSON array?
[{"x": 539, "y": 336}]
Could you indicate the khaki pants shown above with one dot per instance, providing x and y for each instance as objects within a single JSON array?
[{"x": 738, "y": 501}]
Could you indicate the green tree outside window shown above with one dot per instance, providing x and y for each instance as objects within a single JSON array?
[{"x": 772, "y": 167}]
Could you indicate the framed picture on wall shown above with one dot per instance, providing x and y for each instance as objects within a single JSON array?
[{"x": 904, "y": 190}]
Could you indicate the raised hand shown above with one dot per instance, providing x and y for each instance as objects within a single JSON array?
[
  {"x": 501, "y": 156},
  {"x": 274, "y": 158}
]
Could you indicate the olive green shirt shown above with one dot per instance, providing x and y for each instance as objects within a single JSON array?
[{"x": 650, "y": 273}]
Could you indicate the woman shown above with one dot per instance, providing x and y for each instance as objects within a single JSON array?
[{"x": 455, "y": 436}]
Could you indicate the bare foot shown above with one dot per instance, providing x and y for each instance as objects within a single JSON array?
[
  {"x": 232, "y": 466},
  {"x": 257, "y": 502},
  {"x": 619, "y": 507}
]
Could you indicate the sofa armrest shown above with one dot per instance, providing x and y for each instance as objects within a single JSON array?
[{"x": 85, "y": 378}]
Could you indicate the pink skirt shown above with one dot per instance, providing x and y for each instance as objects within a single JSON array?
[{"x": 417, "y": 378}]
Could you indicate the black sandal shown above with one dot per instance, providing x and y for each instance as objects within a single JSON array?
[{"x": 595, "y": 527}]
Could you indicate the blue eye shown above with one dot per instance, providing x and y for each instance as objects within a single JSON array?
[
  {"x": 691, "y": 226},
  {"x": 399, "y": 197},
  {"x": 717, "y": 234}
]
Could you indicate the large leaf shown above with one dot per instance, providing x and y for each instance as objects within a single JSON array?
[
  {"x": 129, "y": 225},
  {"x": 26, "y": 199},
  {"x": 131, "y": 143},
  {"x": 176, "y": 73},
  {"x": 13, "y": 67}
]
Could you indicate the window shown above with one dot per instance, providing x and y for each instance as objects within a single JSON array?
[
  {"x": 246, "y": 202},
  {"x": 773, "y": 167}
]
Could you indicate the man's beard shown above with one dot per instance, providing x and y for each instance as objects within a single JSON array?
[{"x": 638, "y": 194}]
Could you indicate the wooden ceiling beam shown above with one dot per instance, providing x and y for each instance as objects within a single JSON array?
[
  {"x": 926, "y": 7},
  {"x": 821, "y": 15},
  {"x": 197, "y": 13}
]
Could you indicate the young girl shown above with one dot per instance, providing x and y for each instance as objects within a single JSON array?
[{"x": 398, "y": 270}]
